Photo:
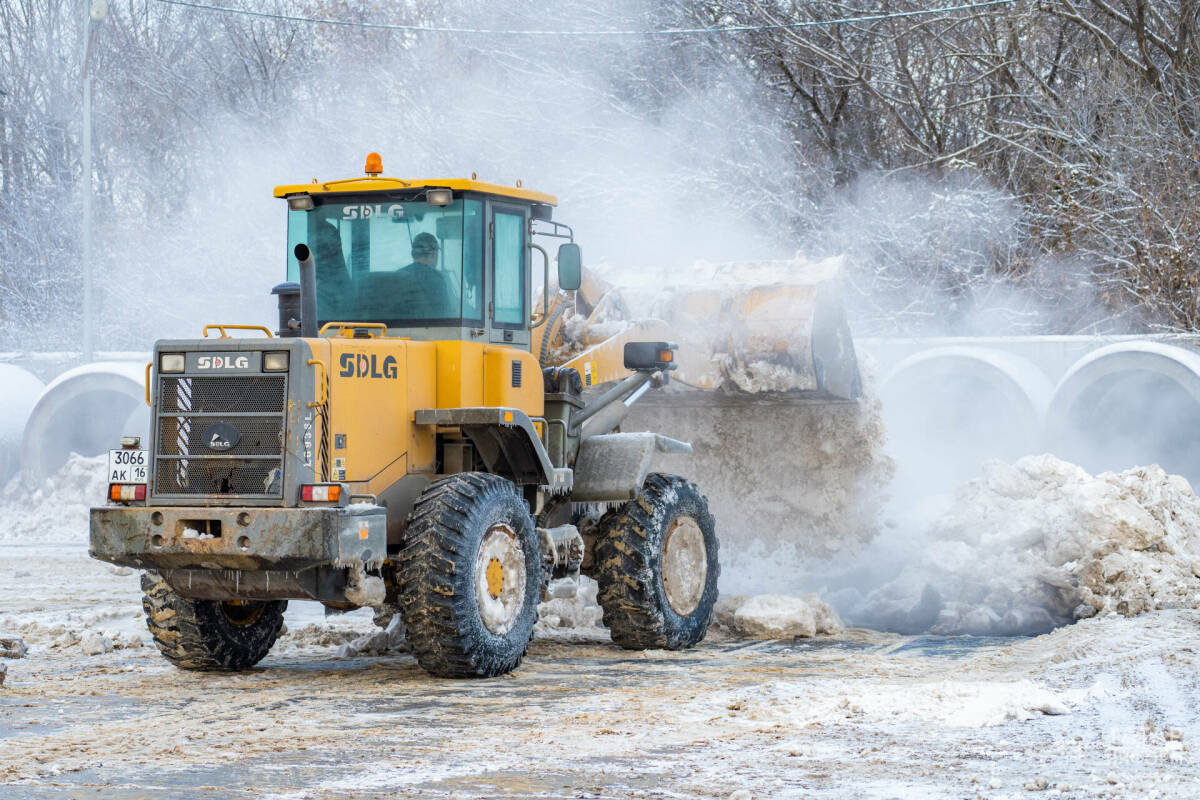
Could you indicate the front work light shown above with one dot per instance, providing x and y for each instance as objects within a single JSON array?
[
  {"x": 439, "y": 197},
  {"x": 300, "y": 202},
  {"x": 275, "y": 361},
  {"x": 170, "y": 362}
]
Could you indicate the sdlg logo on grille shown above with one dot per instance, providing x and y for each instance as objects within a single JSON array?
[{"x": 221, "y": 436}]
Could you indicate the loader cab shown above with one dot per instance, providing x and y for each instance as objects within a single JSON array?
[{"x": 432, "y": 260}]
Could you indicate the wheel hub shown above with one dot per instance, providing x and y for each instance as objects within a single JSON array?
[
  {"x": 499, "y": 579},
  {"x": 242, "y": 613},
  {"x": 684, "y": 565}
]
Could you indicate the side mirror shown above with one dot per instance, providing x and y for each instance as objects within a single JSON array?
[
  {"x": 570, "y": 266},
  {"x": 650, "y": 356}
]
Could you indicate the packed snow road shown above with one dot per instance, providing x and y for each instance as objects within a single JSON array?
[{"x": 1104, "y": 708}]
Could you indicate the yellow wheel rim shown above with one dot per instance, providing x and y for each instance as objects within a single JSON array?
[
  {"x": 495, "y": 578},
  {"x": 500, "y": 579}
]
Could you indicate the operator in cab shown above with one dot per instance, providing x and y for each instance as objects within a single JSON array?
[{"x": 426, "y": 291}]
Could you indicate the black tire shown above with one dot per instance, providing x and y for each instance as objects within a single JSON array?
[
  {"x": 629, "y": 567},
  {"x": 209, "y": 634},
  {"x": 453, "y": 519},
  {"x": 555, "y": 317}
]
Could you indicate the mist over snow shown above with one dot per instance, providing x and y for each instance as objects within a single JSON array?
[{"x": 962, "y": 206}]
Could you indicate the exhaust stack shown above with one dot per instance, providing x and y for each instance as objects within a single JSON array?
[{"x": 308, "y": 291}]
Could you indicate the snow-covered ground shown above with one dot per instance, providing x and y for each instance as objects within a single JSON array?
[
  {"x": 1105, "y": 707},
  {"x": 1102, "y": 708}
]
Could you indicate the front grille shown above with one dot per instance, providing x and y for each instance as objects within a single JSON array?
[
  {"x": 254, "y": 405},
  {"x": 184, "y": 435},
  {"x": 256, "y": 394}
]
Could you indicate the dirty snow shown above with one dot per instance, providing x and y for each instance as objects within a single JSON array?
[
  {"x": 775, "y": 616},
  {"x": 569, "y": 618},
  {"x": 59, "y": 507},
  {"x": 1041, "y": 543},
  {"x": 1104, "y": 707}
]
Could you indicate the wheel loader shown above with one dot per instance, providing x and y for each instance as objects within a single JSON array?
[{"x": 397, "y": 444}]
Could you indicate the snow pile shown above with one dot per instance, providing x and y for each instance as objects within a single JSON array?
[
  {"x": 92, "y": 642},
  {"x": 773, "y": 616},
  {"x": 13, "y": 647},
  {"x": 1041, "y": 543},
  {"x": 390, "y": 639},
  {"x": 569, "y": 617},
  {"x": 58, "y": 509}
]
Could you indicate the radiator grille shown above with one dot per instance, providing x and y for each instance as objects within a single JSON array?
[
  {"x": 241, "y": 393},
  {"x": 260, "y": 436},
  {"x": 188, "y": 406}
]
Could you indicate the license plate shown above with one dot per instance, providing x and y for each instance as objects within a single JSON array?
[{"x": 127, "y": 466}]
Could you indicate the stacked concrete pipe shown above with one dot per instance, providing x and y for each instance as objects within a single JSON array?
[
  {"x": 85, "y": 410},
  {"x": 1130, "y": 403},
  {"x": 949, "y": 408},
  {"x": 19, "y": 392}
]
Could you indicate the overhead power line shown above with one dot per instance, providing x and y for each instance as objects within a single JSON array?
[{"x": 924, "y": 12}]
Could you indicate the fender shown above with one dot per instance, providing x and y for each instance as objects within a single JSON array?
[
  {"x": 613, "y": 466},
  {"x": 507, "y": 442}
]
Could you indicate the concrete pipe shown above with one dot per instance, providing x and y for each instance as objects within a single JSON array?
[
  {"x": 85, "y": 410},
  {"x": 19, "y": 392},
  {"x": 950, "y": 408},
  {"x": 1127, "y": 404}
]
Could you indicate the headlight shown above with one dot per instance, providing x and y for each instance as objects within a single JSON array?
[
  {"x": 170, "y": 362},
  {"x": 275, "y": 361}
]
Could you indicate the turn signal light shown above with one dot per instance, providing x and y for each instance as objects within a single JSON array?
[
  {"x": 666, "y": 355},
  {"x": 124, "y": 492},
  {"x": 324, "y": 493}
]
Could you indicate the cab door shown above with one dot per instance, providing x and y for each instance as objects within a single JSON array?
[{"x": 508, "y": 309}]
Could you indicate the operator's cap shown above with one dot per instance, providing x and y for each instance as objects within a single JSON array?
[{"x": 424, "y": 244}]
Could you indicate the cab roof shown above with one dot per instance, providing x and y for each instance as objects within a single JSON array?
[{"x": 375, "y": 183}]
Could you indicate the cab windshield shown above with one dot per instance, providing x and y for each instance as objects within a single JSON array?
[{"x": 399, "y": 263}]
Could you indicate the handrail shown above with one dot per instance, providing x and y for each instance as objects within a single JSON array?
[
  {"x": 342, "y": 327},
  {"x": 148, "y": 366},
  {"x": 538, "y": 322},
  {"x": 316, "y": 362},
  {"x": 224, "y": 328}
]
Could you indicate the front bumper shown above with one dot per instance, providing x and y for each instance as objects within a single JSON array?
[{"x": 248, "y": 539}]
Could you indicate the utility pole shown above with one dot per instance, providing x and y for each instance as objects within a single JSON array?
[{"x": 97, "y": 10}]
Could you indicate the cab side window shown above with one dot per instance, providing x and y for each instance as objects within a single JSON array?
[
  {"x": 472, "y": 292},
  {"x": 508, "y": 295}
]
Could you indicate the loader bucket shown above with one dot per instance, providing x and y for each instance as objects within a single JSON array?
[
  {"x": 746, "y": 336},
  {"x": 767, "y": 391}
]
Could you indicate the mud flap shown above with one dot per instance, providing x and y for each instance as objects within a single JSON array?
[{"x": 613, "y": 466}]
